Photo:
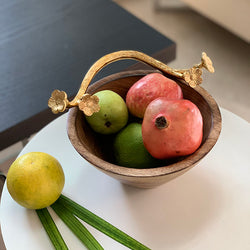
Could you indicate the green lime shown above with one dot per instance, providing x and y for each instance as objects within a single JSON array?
[
  {"x": 129, "y": 150},
  {"x": 113, "y": 114}
]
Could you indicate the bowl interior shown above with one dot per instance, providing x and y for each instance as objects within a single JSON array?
[{"x": 97, "y": 148}]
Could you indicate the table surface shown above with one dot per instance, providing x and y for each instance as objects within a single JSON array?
[
  {"x": 206, "y": 208},
  {"x": 47, "y": 45}
]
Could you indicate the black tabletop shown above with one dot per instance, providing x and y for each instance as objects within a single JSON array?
[{"x": 47, "y": 45}]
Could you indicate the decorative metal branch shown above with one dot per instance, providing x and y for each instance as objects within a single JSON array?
[{"x": 58, "y": 101}]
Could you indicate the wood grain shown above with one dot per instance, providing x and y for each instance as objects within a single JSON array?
[{"x": 96, "y": 149}]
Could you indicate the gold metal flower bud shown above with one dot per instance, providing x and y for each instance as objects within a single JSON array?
[
  {"x": 89, "y": 104},
  {"x": 207, "y": 63},
  {"x": 58, "y": 101},
  {"x": 193, "y": 76}
]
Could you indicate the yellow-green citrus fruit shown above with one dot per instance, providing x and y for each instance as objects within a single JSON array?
[
  {"x": 113, "y": 114},
  {"x": 35, "y": 180},
  {"x": 129, "y": 150}
]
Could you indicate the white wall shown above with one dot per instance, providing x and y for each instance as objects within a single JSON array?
[{"x": 233, "y": 15}]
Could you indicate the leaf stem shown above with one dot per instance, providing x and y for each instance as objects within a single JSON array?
[
  {"x": 100, "y": 224},
  {"x": 51, "y": 229},
  {"x": 76, "y": 226}
]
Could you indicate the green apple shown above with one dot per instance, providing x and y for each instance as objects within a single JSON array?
[{"x": 113, "y": 114}]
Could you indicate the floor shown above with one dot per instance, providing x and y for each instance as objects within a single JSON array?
[{"x": 193, "y": 33}]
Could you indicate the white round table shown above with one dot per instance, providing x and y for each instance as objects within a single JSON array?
[{"x": 206, "y": 208}]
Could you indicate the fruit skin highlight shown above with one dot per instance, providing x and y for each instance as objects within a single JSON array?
[
  {"x": 147, "y": 89},
  {"x": 113, "y": 114},
  {"x": 35, "y": 180},
  {"x": 172, "y": 128},
  {"x": 129, "y": 150}
]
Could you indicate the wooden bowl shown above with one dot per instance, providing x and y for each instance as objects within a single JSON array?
[{"x": 97, "y": 149}]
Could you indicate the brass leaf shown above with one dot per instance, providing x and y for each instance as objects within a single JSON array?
[
  {"x": 89, "y": 104},
  {"x": 58, "y": 101},
  {"x": 207, "y": 63},
  {"x": 193, "y": 76}
]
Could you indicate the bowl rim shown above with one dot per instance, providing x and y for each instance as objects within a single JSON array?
[{"x": 190, "y": 160}]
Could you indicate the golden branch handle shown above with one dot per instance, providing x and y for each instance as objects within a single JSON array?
[{"x": 58, "y": 101}]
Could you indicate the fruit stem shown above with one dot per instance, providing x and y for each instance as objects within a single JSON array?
[{"x": 161, "y": 122}]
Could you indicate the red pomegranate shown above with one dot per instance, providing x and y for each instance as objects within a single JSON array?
[
  {"x": 147, "y": 89},
  {"x": 172, "y": 128}
]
